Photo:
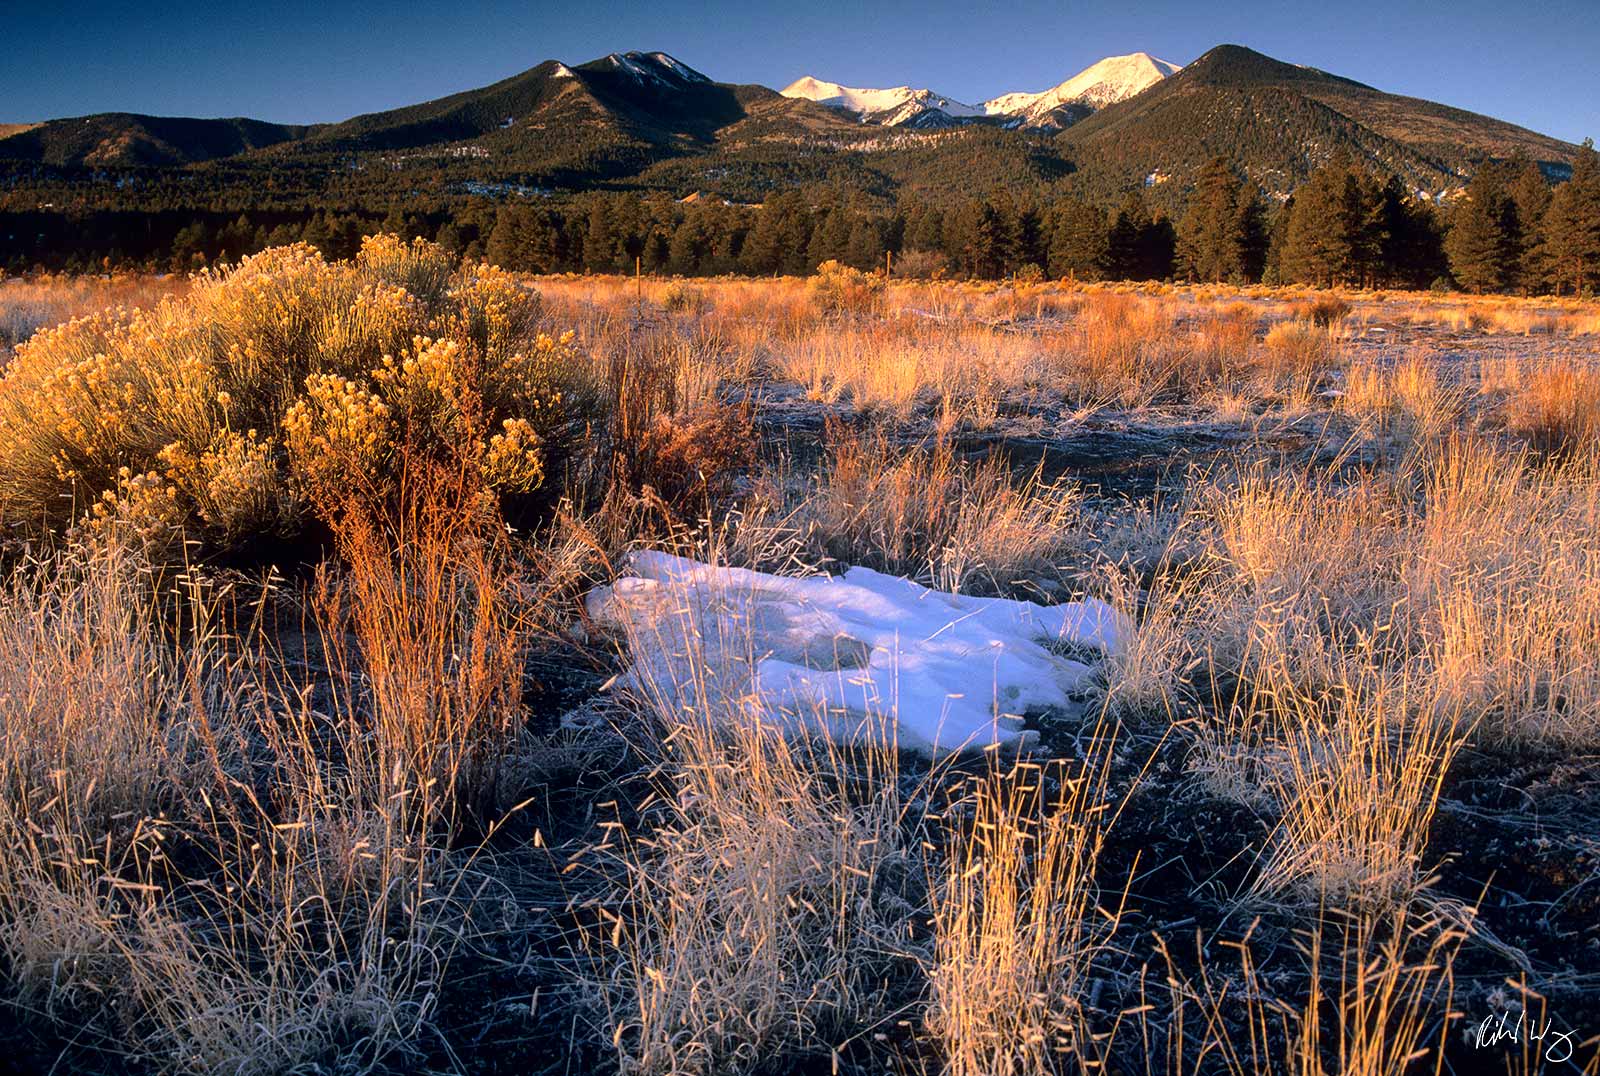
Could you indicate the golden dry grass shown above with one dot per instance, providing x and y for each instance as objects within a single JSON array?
[
  {"x": 285, "y": 864},
  {"x": 33, "y": 303},
  {"x": 1018, "y": 923},
  {"x": 303, "y": 939}
]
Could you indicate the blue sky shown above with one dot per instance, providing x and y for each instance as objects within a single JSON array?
[{"x": 1535, "y": 64}]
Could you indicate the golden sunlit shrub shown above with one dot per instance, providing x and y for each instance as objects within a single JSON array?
[
  {"x": 495, "y": 312},
  {"x": 839, "y": 289},
  {"x": 681, "y": 298},
  {"x": 280, "y": 373},
  {"x": 423, "y": 270},
  {"x": 1325, "y": 311},
  {"x": 1294, "y": 357},
  {"x": 920, "y": 265},
  {"x": 695, "y": 456},
  {"x": 337, "y": 432},
  {"x": 234, "y": 484},
  {"x": 513, "y": 460}
]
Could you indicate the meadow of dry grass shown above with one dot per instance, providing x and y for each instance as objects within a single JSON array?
[{"x": 312, "y": 759}]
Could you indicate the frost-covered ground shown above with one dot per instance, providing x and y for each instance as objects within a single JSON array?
[{"x": 1162, "y": 676}]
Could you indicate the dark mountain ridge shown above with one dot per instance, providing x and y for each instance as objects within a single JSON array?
[
  {"x": 1277, "y": 121},
  {"x": 128, "y": 139},
  {"x": 645, "y": 121}
]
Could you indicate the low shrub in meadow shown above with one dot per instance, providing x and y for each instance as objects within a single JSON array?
[{"x": 216, "y": 416}]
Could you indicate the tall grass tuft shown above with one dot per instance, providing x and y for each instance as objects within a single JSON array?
[{"x": 1017, "y": 922}]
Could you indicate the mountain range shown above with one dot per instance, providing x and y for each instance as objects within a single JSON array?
[
  {"x": 1114, "y": 79},
  {"x": 645, "y": 121}
]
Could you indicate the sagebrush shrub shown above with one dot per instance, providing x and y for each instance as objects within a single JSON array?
[
  {"x": 1325, "y": 311},
  {"x": 696, "y": 456},
  {"x": 840, "y": 289},
  {"x": 237, "y": 399}
]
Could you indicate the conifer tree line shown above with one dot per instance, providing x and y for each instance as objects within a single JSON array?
[{"x": 1509, "y": 231}]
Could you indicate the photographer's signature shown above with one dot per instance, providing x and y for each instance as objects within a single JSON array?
[{"x": 1515, "y": 1029}]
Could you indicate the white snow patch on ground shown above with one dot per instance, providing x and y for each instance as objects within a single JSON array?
[{"x": 848, "y": 656}]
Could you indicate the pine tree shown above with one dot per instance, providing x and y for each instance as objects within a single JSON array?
[
  {"x": 1211, "y": 234},
  {"x": 1078, "y": 241},
  {"x": 630, "y": 222},
  {"x": 523, "y": 239},
  {"x": 759, "y": 256},
  {"x": 449, "y": 237},
  {"x": 829, "y": 238},
  {"x": 1158, "y": 249},
  {"x": 344, "y": 232},
  {"x": 727, "y": 229},
  {"x": 1029, "y": 239},
  {"x": 657, "y": 250},
  {"x": 504, "y": 247},
  {"x": 794, "y": 234},
  {"x": 925, "y": 230},
  {"x": 1253, "y": 231},
  {"x": 1530, "y": 194},
  {"x": 1334, "y": 232},
  {"x": 1482, "y": 244},
  {"x": 975, "y": 241},
  {"x": 237, "y": 239},
  {"x": 599, "y": 240},
  {"x": 1572, "y": 225},
  {"x": 1363, "y": 211},
  {"x": 864, "y": 250},
  {"x": 1124, "y": 241},
  {"x": 689, "y": 247},
  {"x": 1277, "y": 241},
  {"x": 394, "y": 223},
  {"x": 1140, "y": 245},
  {"x": 319, "y": 233},
  {"x": 189, "y": 246},
  {"x": 1004, "y": 209}
]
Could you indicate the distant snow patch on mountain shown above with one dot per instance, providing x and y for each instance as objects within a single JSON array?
[
  {"x": 678, "y": 67},
  {"x": 654, "y": 67}
]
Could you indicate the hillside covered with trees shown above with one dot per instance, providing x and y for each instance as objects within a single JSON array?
[{"x": 1236, "y": 168}]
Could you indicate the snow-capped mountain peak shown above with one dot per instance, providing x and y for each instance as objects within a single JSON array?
[
  {"x": 892, "y": 106},
  {"x": 1113, "y": 79}
]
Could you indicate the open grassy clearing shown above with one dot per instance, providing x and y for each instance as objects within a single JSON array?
[{"x": 313, "y": 760}]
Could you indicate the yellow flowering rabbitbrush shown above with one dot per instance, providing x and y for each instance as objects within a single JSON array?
[{"x": 271, "y": 376}]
